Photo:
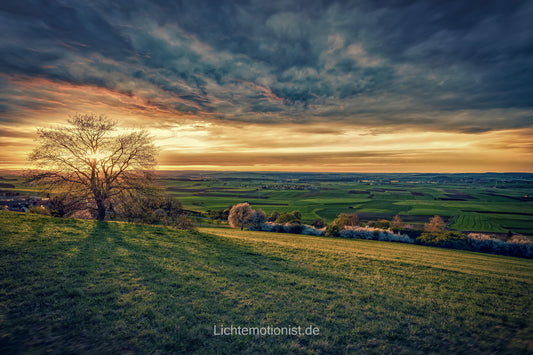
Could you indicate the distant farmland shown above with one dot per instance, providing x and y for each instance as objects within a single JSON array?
[
  {"x": 470, "y": 202},
  {"x": 495, "y": 203}
]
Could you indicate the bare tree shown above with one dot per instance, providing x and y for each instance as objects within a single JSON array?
[
  {"x": 397, "y": 222},
  {"x": 435, "y": 224},
  {"x": 347, "y": 219},
  {"x": 91, "y": 160}
]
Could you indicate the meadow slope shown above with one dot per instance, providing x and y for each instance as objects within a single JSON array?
[{"x": 84, "y": 286}]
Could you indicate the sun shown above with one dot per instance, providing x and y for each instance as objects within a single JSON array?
[{"x": 95, "y": 155}]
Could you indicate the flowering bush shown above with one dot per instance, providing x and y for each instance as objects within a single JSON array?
[
  {"x": 310, "y": 230},
  {"x": 518, "y": 245},
  {"x": 374, "y": 233},
  {"x": 290, "y": 227}
]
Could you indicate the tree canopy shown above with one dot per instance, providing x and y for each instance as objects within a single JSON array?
[{"x": 91, "y": 160}]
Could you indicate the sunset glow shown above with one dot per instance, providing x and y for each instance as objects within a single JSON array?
[
  {"x": 96, "y": 156},
  {"x": 302, "y": 86}
]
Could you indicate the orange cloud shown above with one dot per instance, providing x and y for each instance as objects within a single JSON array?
[{"x": 200, "y": 141}]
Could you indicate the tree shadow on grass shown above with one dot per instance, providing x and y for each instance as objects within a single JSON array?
[
  {"x": 165, "y": 290},
  {"x": 121, "y": 287},
  {"x": 129, "y": 288}
]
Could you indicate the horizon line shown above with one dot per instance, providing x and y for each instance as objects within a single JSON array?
[{"x": 307, "y": 172}]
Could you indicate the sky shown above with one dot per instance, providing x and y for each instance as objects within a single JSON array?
[{"x": 303, "y": 85}]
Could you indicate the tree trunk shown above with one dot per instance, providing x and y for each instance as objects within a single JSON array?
[{"x": 101, "y": 210}]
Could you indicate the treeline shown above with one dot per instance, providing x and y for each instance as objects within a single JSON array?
[
  {"x": 154, "y": 207},
  {"x": 434, "y": 232}
]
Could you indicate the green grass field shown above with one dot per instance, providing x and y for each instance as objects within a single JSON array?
[{"x": 72, "y": 286}]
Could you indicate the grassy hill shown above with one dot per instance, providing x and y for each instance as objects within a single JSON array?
[{"x": 84, "y": 286}]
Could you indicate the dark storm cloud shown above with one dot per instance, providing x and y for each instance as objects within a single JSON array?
[{"x": 451, "y": 65}]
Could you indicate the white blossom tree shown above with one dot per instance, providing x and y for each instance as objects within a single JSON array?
[{"x": 239, "y": 215}]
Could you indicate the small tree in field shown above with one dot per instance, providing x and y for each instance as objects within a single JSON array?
[
  {"x": 435, "y": 224},
  {"x": 347, "y": 219},
  {"x": 341, "y": 222},
  {"x": 239, "y": 215},
  {"x": 273, "y": 216},
  {"x": 397, "y": 222},
  {"x": 257, "y": 218},
  {"x": 88, "y": 160}
]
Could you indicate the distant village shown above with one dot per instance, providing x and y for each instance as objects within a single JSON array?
[
  {"x": 13, "y": 201},
  {"x": 289, "y": 187}
]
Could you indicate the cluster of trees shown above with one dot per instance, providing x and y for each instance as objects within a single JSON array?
[
  {"x": 154, "y": 208},
  {"x": 341, "y": 222},
  {"x": 348, "y": 225},
  {"x": 220, "y": 215},
  {"x": 242, "y": 215},
  {"x": 285, "y": 217},
  {"x": 89, "y": 167}
]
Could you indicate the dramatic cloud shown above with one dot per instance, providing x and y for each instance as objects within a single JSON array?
[{"x": 343, "y": 66}]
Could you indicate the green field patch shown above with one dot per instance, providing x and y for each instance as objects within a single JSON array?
[
  {"x": 335, "y": 201},
  {"x": 504, "y": 213},
  {"x": 261, "y": 203},
  {"x": 185, "y": 189},
  {"x": 231, "y": 195},
  {"x": 475, "y": 222}
]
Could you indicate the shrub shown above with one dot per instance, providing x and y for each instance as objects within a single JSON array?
[
  {"x": 151, "y": 209},
  {"x": 82, "y": 214},
  {"x": 65, "y": 205},
  {"x": 452, "y": 240},
  {"x": 381, "y": 224},
  {"x": 266, "y": 227},
  {"x": 340, "y": 223},
  {"x": 312, "y": 230},
  {"x": 294, "y": 228},
  {"x": 221, "y": 215},
  {"x": 273, "y": 216},
  {"x": 411, "y": 232},
  {"x": 319, "y": 223},
  {"x": 374, "y": 234},
  {"x": 183, "y": 222},
  {"x": 289, "y": 217},
  {"x": 257, "y": 218},
  {"x": 518, "y": 245},
  {"x": 39, "y": 210},
  {"x": 333, "y": 230},
  {"x": 517, "y": 238}
]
